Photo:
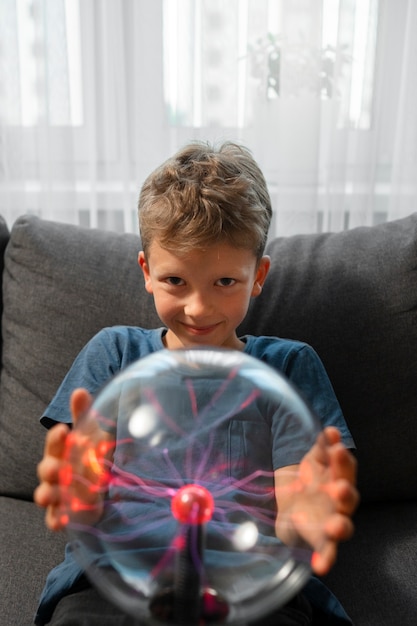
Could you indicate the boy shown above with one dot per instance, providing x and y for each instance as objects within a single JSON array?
[{"x": 204, "y": 217}]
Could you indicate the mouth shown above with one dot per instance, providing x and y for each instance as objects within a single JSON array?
[{"x": 200, "y": 331}]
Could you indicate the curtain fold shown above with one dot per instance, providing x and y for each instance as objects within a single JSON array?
[
  {"x": 403, "y": 190},
  {"x": 95, "y": 94}
]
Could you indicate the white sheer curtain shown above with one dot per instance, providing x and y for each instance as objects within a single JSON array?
[{"x": 95, "y": 93}]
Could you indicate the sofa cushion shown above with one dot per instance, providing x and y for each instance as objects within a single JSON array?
[
  {"x": 61, "y": 285},
  {"x": 374, "y": 576},
  {"x": 29, "y": 551},
  {"x": 353, "y": 297}
]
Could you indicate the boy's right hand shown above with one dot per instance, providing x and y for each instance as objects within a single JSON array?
[{"x": 73, "y": 470}]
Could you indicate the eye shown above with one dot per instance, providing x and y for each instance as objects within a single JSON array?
[
  {"x": 175, "y": 281},
  {"x": 226, "y": 282}
]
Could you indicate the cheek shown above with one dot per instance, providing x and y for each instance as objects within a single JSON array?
[
  {"x": 164, "y": 304},
  {"x": 238, "y": 307}
]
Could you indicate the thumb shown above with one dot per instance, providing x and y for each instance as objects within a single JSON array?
[{"x": 80, "y": 402}]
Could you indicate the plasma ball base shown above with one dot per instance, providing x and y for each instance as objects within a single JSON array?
[{"x": 213, "y": 609}]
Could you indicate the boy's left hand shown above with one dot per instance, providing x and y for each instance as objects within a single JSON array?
[{"x": 317, "y": 499}]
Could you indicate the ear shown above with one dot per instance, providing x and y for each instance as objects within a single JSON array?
[
  {"x": 261, "y": 274},
  {"x": 145, "y": 269}
]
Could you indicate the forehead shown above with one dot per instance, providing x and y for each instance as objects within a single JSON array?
[{"x": 216, "y": 256}]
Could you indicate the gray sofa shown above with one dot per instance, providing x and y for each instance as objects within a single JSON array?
[{"x": 352, "y": 295}]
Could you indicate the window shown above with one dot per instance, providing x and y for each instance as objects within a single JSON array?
[
  {"x": 220, "y": 58},
  {"x": 45, "y": 84}
]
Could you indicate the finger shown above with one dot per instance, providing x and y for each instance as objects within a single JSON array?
[
  {"x": 345, "y": 496},
  {"x": 344, "y": 464},
  {"x": 315, "y": 463},
  {"x": 55, "y": 440},
  {"x": 46, "y": 495},
  {"x": 338, "y": 528},
  {"x": 327, "y": 438},
  {"x": 48, "y": 469},
  {"x": 332, "y": 435},
  {"x": 80, "y": 402},
  {"x": 54, "y": 519},
  {"x": 322, "y": 561}
]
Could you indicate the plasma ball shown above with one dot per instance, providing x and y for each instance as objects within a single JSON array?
[
  {"x": 169, "y": 521},
  {"x": 192, "y": 504}
]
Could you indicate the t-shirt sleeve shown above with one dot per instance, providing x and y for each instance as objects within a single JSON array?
[
  {"x": 307, "y": 374},
  {"x": 97, "y": 362}
]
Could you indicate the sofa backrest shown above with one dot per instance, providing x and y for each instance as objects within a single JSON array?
[
  {"x": 351, "y": 295},
  {"x": 61, "y": 284}
]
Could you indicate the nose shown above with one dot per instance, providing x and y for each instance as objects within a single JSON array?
[{"x": 197, "y": 305}]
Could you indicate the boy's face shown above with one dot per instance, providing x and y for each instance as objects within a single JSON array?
[{"x": 203, "y": 296}]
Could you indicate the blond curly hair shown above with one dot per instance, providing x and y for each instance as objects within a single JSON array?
[{"x": 205, "y": 195}]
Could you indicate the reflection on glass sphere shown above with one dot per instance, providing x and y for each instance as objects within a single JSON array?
[{"x": 169, "y": 489}]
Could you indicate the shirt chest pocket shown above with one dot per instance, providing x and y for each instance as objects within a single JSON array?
[{"x": 249, "y": 451}]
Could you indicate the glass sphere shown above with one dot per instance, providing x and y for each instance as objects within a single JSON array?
[{"x": 168, "y": 489}]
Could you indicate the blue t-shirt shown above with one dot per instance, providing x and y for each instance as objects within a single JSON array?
[{"x": 113, "y": 349}]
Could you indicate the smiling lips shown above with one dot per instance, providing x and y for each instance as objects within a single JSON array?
[{"x": 199, "y": 330}]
